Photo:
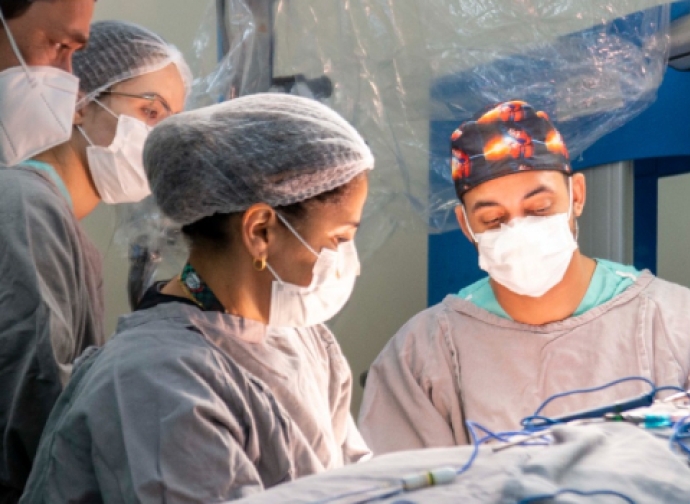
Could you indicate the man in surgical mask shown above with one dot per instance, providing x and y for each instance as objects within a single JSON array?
[
  {"x": 547, "y": 319},
  {"x": 37, "y": 41},
  {"x": 51, "y": 299}
]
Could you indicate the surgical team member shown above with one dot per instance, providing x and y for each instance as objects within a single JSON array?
[
  {"x": 226, "y": 381},
  {"x": 51, "y": 304},
  {"x": 547, "y": 319},
  {"x": 37, "y": 89}
]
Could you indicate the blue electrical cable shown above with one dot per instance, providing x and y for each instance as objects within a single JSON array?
[
  {"x": 536, "y": 421},
  {"x": 530, "y": 426},
  {"x": 581, "y": 493},
  {"x": 475, "y": 444},
  {"x": 594, "y": 389},
  {"x": 672, "y": 387}
]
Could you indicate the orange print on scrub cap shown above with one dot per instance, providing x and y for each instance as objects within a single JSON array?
[{"x": 508, "y": 138}]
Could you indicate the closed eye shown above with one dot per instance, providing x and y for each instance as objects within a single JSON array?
[
  {"x": 542, "y": 210},
  {"x": 493, "y": 222}
]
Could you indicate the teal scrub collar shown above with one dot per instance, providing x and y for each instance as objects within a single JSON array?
[{"x": 52, "y": 174}]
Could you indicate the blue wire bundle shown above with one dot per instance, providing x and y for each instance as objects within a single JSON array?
[{"x": 531, "y": 424}]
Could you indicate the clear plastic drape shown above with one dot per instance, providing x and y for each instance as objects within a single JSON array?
[{"x": 406, "y": 73}]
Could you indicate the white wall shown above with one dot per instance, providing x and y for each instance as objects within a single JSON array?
[
  {"x": 606, "y": 225},
  {"x": 673, "y": 252}
]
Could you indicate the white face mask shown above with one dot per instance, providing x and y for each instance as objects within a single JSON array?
[
  {"x": 37, "y": 107},
  {"x": 529, "y": 255},
  {"x": 118, "y": 170},
  {"x": 334, "y": 275}
]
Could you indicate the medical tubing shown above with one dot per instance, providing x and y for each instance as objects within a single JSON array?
[
  {"x": 447, "y": 474},
  {"x": 673, "y": 388},
  {"x": 504, "y": 436},
  {"x": 680, "y": 432},
  {"x": 581, "y": 493},
  {"x": 434, "y": 477},
  {"x": 537, "y": 421},
  {"x": 594, "y": 389}
]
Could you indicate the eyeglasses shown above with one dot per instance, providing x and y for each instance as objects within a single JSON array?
[{"x": 155, "y": 110}]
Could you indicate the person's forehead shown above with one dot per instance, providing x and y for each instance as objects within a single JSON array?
[
  {"x": 346, "y": 208},
  {"x": 62, "y": 18},
  {"x": 514, "y": 185},
  {"x": 167, "y": 83}
]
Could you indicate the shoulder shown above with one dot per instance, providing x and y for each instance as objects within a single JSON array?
[
  {"x": 670, "y": 302},
  {"x": 667, "y": 294},
  {"x": 162, "y": 368},
  {"x": 152, "y": 336},
  {"x": 25, "y": 195},
  {"x": 667, "y": 302},
  {"x": 19, "y": 182},
  {"x": 164, "y": 343}
]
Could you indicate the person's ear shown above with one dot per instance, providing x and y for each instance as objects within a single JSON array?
[
  {"x": 80, "y": 112},
  {"x": 462, "y": 221},
  {"x": 579, "y": 193},
  {"x": 258, "y": 231}
]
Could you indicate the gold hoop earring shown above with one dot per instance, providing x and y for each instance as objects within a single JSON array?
[{"x": 260, "y": 264}]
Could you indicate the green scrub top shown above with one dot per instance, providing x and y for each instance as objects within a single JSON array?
[{"x": 609, "y": 280}]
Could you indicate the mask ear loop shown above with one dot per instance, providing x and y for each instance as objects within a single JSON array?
[
  {"x": 292, "y": 230},
  {"x": 81, "y": 130},
  {"x": 106, "y": 108},
  {"x": 570, "y": 208},
  {"x": 570, "y": 196},
  {"x": 467, "y": 223},
  {"x": 273, "y": 272},
  {"x": 16, "y": 50}
]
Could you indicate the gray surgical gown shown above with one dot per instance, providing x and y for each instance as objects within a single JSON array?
[
  {"x": 455, "y": 362},
  {"x": 183, "y": 405},
  {"x": 51, "y": 308}
]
